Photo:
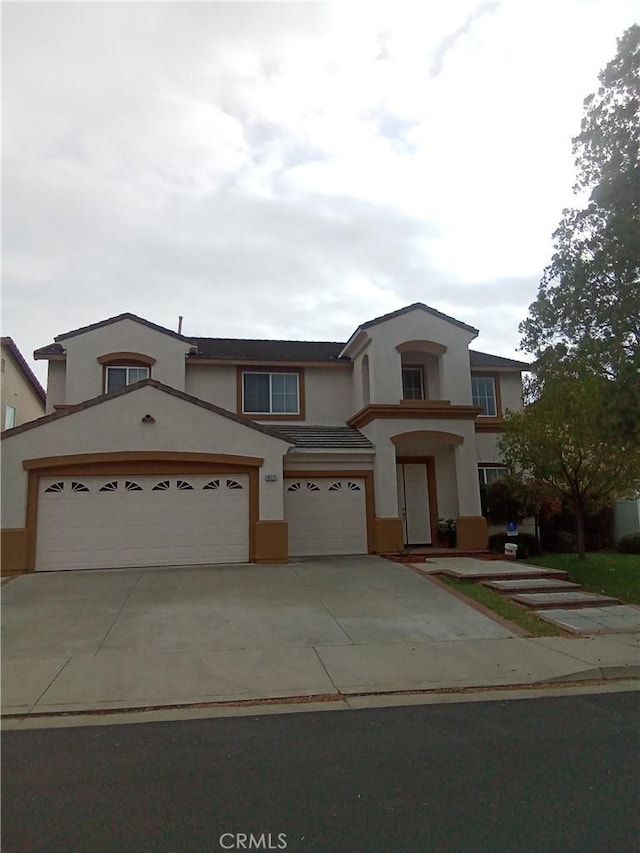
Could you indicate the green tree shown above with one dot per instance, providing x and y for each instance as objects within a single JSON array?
[
  {"x": 588, "y": 303},
  {"x": 509, "y": 499},
  {"x": 568, "y": 442}
]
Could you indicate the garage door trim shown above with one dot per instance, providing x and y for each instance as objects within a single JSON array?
[{"x": 138, "y": 462}]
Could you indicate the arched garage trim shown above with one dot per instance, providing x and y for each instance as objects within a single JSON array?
[{"x": 138, "y": 462}]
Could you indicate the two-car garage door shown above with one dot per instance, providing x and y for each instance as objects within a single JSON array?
[{"x": 101, "y": 522}]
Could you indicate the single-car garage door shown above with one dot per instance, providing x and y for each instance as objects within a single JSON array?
[
  {"x": 103, "y": 522},
  {"x": 326, "y": 516}
]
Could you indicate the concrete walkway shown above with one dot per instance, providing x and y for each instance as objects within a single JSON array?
[{"x": 99, "y": 640}]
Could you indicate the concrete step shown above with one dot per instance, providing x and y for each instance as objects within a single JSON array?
[
  {"x": 503, "y": 571},
  {"x": 613, "y": 619},
  {"x": 532, "y": 585},
  {"x": 551, "y": 600}
]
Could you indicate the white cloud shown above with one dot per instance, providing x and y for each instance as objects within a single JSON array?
[{"x": 289, "y": 169}]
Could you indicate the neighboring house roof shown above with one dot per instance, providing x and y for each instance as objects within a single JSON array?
[
  {"x": 153, "y": 383},
  {"x": 325, "y": 436},
  {"x": 413, "y": 307},
  {"x": 10, "y": 347},
  {"x": 266, "y": 350},
  {"x": 484, "y": 359},
  {"x": 118, "y": 318}
]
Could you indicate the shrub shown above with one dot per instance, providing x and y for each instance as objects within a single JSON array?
[
  {"x": 508, "y": 499},
  {"x": 560, "y": 541},
  {"x": 528, "y": 545},
  {"x": 630, "y": 544}
]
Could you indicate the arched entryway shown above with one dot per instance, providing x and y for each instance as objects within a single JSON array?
[{"x": 426, "y": 482}]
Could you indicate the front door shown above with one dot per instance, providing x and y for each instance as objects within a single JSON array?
[{"x": 413, "y": 502}]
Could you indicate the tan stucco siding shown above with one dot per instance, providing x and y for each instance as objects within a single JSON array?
[
  {"x": 115, "y": 426},
  {"x": 214, "y": 383},
  {"x": 446, "y": 484},
  {"x": 56, "y": 380},
  {"x": 84, "y": 374},
  {"x": 328, "y": 395},
  {"x": 327, "y": 390},
  {"x": 487, "y": 447},
  {"x": 511, "y": 391},
  {"x": 18, "y": 392}
]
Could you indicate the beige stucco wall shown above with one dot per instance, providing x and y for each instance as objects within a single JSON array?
[
  {"x": 487, "y": 447},
  {"x": 214, "y": 383},
  {"x": 56, "y": 381},
  {"x": 327, "y": 391},
  {"x": 511, "y": 391},
  {"x": 361, "y": 380},
  {"x": 84, "y": 373},
  {"x": 385, "y": 360},
  {"x": 115, "y": 425},
  {"x": 328, "y": 395},
  {"x": 446, "y": 486},
  {"x": 16, "y": 391}
]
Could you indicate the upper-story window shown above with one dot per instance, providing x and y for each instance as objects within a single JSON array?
[
  {"x": 271, "y": 393},
  {"x": 483, "y": 389},
  {"x": 121, "y": 375},
  {"x": 9, "y": 417},
  {"x": 413, "y": 383}
]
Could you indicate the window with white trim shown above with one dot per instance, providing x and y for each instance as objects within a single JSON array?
[
  {"x": 271, "y": 393},
  {"x": 9, "y": 417},
  {"x": 121, "y": 375},
  {"x": 412, "y": 383},
  {"x": 483, "y": 390},
  {"x": 490, "y": 474}
]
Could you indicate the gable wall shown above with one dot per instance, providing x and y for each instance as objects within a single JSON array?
[
  {"x": 386, "y": 384},
  {"x": 84, "y": 375},
  {"x": 115, "y": 426}
]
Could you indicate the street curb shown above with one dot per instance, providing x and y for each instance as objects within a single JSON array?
[{"x": 594, "y": 676}]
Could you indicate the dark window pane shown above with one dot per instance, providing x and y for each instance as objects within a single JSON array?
[
  {"x": 412, "y": 383},
  {"x": 256, "y": 392},
  {"x": 116, "y": 378}
]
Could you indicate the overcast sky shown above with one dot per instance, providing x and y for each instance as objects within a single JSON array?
[{"x": 289, "y": 170}]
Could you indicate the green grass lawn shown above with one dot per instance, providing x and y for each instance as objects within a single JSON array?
[
  {"x": 503, "y": 607},
  {"x": 608, "y": 573}
]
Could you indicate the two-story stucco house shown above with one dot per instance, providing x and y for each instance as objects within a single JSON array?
[{"x": 162, "y": 449}]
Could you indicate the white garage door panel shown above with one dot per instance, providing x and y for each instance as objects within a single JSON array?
[
  {"x": 100, "y": 529},
  {"x": 326, "y": 517}
]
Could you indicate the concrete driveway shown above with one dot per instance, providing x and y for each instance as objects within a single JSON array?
[{"x": 143, "y": 637}]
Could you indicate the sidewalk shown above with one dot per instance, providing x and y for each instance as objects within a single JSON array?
[
  {"x": 113, "y": 681},
  {"x": 364, "y": 627}
]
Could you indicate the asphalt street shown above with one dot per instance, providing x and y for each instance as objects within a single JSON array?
[{"x": 548, "y": 774}]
